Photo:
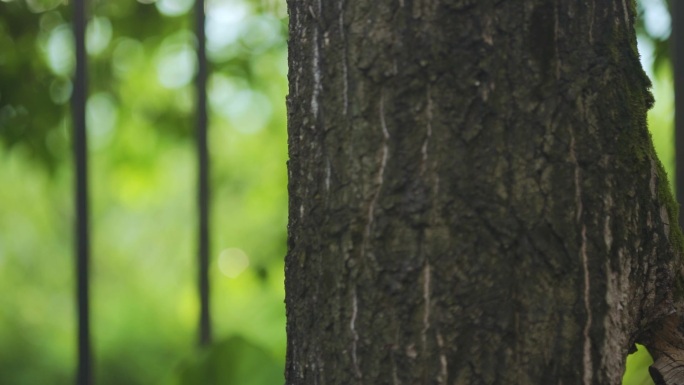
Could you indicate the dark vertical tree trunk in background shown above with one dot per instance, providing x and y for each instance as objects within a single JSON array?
[
  {"x": 677, "y": 49},
  {"x": 474, "y": 196},
  {"x": 84, "y": 375},
  {"x": 203, "y": 177}
]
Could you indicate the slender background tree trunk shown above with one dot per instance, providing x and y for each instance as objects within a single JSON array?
[{"x": 474, "y": 196}]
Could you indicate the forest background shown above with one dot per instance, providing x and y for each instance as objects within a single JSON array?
[{"x": 140, "y": 115}]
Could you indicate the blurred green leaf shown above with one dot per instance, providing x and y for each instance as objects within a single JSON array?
[
  {"x": 637, "y": 368},
  {"x": 234, "y": 361}
]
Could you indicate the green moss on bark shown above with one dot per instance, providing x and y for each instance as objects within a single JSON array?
[{"x": 666, "y": 198}]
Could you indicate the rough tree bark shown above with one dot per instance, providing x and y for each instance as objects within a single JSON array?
[{"x": 474, "y": 196}]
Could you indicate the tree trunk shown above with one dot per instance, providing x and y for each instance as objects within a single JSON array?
[{"x": 474, "y": 196}]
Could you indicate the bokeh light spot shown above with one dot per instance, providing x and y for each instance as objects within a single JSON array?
[
  {"x": 101, "y": 117},
  {"x": 225, "y": 20},
  {"x": 60, "y": 90},
  {"x": 174, "y": 7},
  {"x": 38, "y": 6},
  {"x": 98, "y": 35},
  {"x": 60, "y": 50},
  {"x": 657, "y": 20},
  {"x": 249, "y": 112},
  {"x": 232, "y": 262},
  {"x": 176, "y": 61},
  {"x": 261, "y": 32},
  {"x": 128, "y": 55}
]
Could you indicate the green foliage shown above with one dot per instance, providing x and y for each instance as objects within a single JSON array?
[
  {"x": 637, "y": 368},
  {"x": 232, "y": 361},
  {"x": 653, "y": 28},
  {"x": 142, "y": 178}
]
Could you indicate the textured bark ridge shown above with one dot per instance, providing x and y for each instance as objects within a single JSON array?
[
  {"x": 474, "y": 196},
  {"x": 668, "y": 352}
]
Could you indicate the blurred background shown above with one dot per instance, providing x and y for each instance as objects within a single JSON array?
[
  {"x": 140, "y": 116},
  {"x": 143, "y": 165}
]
